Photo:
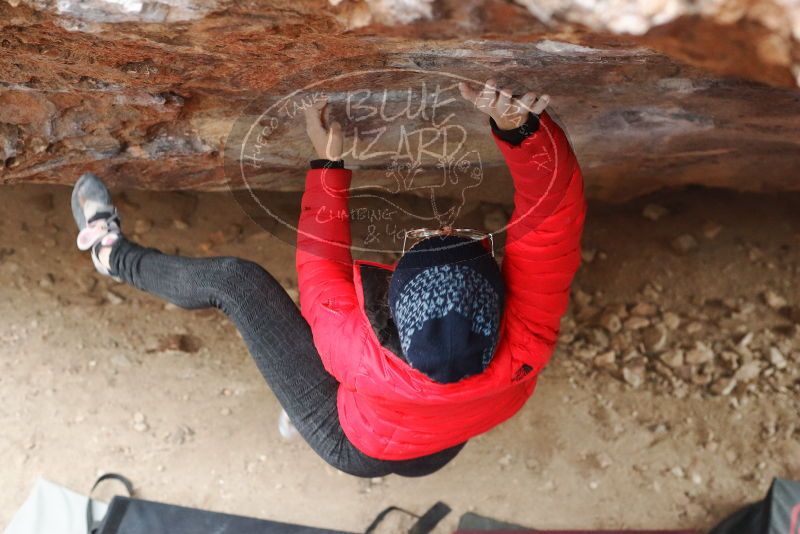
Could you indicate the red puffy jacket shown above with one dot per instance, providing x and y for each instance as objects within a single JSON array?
[{"x": 387, "y": 409}]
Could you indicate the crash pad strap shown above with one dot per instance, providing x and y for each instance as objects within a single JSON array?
[
  {"x": 91, "y": 524},
  {"x": 430, "y": 519},
  {"x": 424, "y": 524}
]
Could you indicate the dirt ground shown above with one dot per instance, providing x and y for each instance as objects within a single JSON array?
[{"x": 96, "y": 376}]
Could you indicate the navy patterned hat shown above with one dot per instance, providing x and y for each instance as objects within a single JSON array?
[{"x": 446, "y": 297}]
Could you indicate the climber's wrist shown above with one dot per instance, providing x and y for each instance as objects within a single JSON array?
[
  {"x": 323, "y": 163},
  {"x": 516, "y": 136}
]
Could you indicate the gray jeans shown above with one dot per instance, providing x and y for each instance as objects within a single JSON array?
[{"x": 279, "y": 339}]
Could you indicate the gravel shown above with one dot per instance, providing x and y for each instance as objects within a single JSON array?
[{"x": 700, "y": 347}]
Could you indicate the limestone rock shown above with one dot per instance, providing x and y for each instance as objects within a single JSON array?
[
  {"x": 777, "y": 359},
  {"x": 677, "y": 26},
  {"x": 671, "y": 320},
  {"x": 777, "y": 35},
  {"x": 700, "y": 354},
  {"x": 634, "y": 374},
  {"x": 673, "y": 358},
  {"x": 644, "y": 309},
  {"x": 774, "y": 300},
  {"x": 611, "y": 322},
  {"x": 655, "y": 338},
  {"x": 723, "y": 386},
  {"x": 636, "y": 323},
  {"x": 748, "y": 372},
  {"x": 146, "y": 93},
  {"x": 606, "y": 359}
]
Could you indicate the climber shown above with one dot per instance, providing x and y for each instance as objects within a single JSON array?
[{"x": 402, "y": 392}]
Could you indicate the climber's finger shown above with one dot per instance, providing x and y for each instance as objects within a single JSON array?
[
  {"x": 526, "y": 101},
  {"x": 540, "y": 104},
  {"x": 469, "y": 94},
  {"x": 333, "y": 148},
  {"x": 503, "y": 105},
  {"x": 313, "y": 118},
  {"x": 314, "y": 113},
  {"x": 335, "y": 134},
  {"x": 320, "y": 101},
  {"x": 316, "y": 105},
  {"x": 487, "y": 97}
]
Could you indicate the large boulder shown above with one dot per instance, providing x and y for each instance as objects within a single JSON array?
[{"x": 166, "y": 95}]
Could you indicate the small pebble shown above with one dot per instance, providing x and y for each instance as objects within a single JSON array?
[
  {"x": 671, "y": 320},
  {"x": 701, "y": 353},
  {"x": 636, "y": 323},
  {"x": 588, "y": 254},
  {"x": 777, "y": 358},
  {"x": 774, "y": 300},
  {"x": 655, "y": 338},
  {"x": 654, "y": 212},
  {"x": 673, "y": 358},
  {"x": 694, "y": 327},
  {"x": 142, "y": 226},
  {"x": 748, "y": 372},
  {"x": 723, "y": 386},
  {"x": 634, "y": 375},
  {"x": 495, "y": 220},
  {"x": 611, "y": 322},
  {"x": 644, "y": 309},
  {"x": 684, "y": 243},
  {"x": 711, "y": 229},
  {"x": 114, "y": 298},
  {"x": 606, "y": 359}
]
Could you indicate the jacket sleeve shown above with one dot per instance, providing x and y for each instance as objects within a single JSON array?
[
  {"x": 325, "y": 272},
  {"x": 543, "y": 242}
]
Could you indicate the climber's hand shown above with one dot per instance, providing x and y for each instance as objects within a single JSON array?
[
  {"x": 508, "y": 111},
  {"x": 328, "y": 142}
]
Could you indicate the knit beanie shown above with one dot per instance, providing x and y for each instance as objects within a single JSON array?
[{"x": 446, "y": 297}]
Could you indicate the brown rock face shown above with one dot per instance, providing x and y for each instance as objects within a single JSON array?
[{"x": 181, "y": 94}]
